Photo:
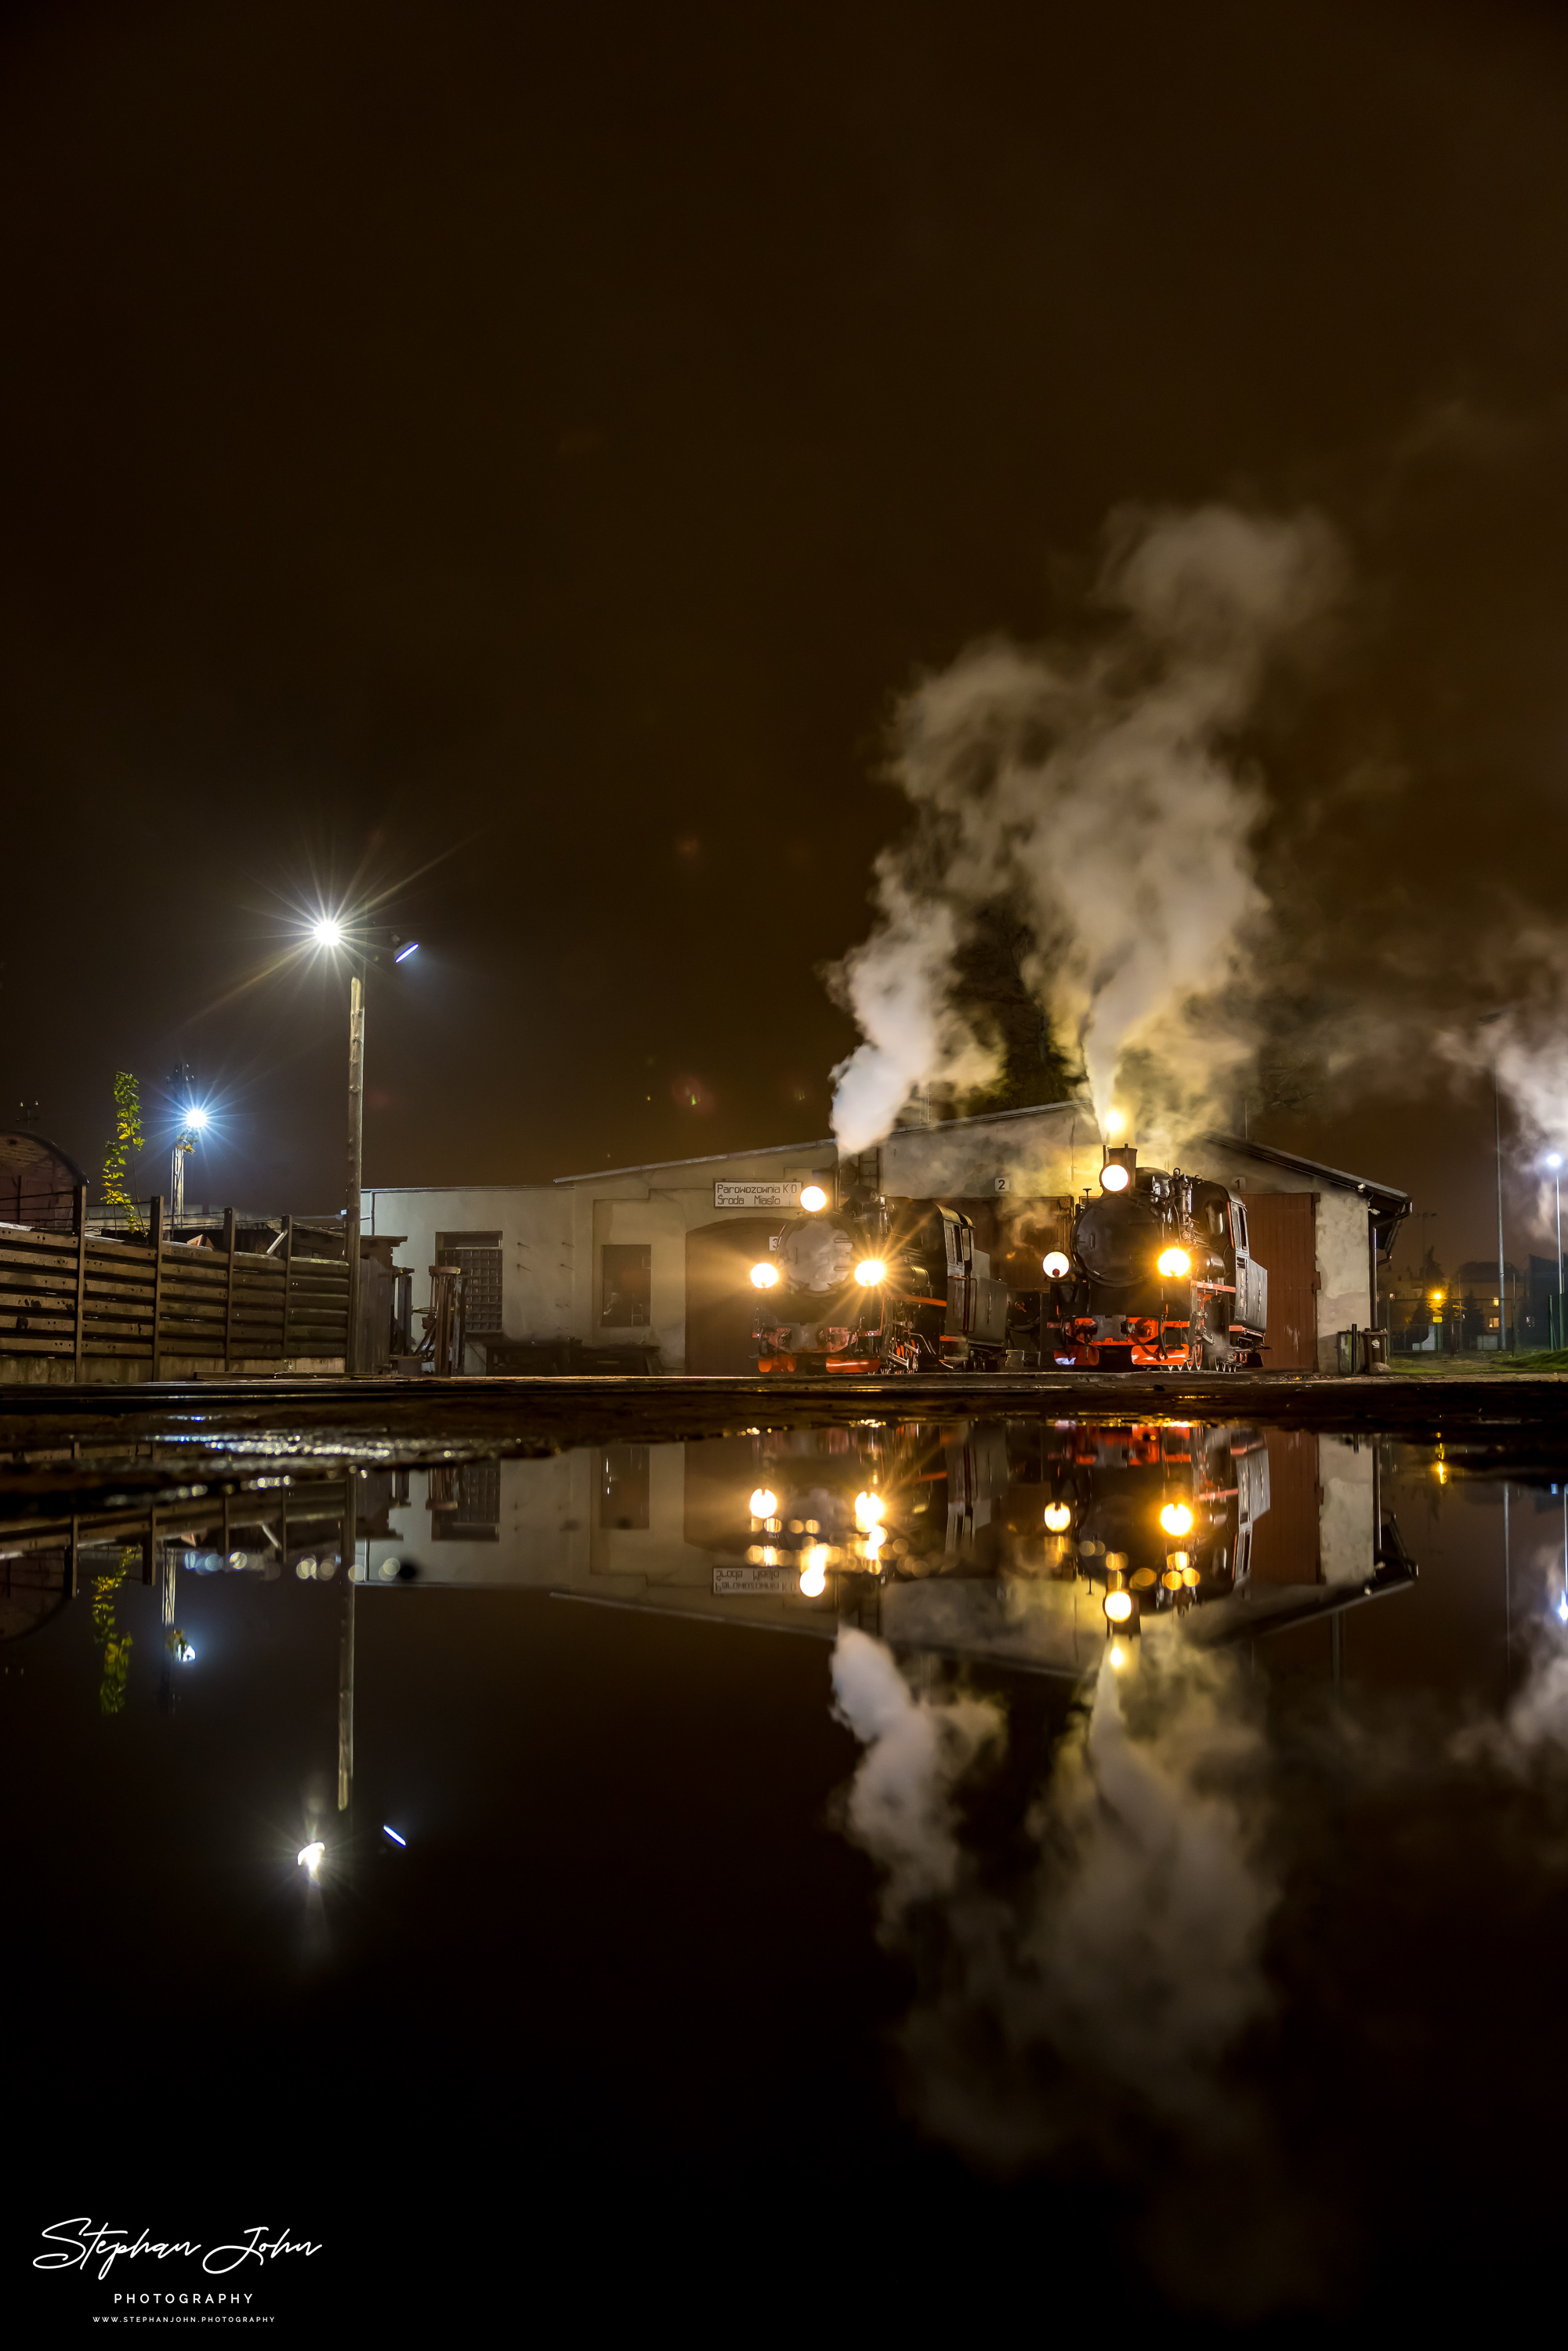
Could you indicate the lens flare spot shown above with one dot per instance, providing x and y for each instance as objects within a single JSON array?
[{"x": 1177, "y": 1518}]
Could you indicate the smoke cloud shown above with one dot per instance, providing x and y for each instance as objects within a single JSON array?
[
  {"x": 1100, "y": 794},
  {"x": 1127, "y": 1958}
]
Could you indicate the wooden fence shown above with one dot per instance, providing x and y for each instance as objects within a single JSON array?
[{"x": 80, "y": 1299}]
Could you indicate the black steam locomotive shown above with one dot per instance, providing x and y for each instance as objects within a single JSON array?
[{"x": 1154, "y": 1269}]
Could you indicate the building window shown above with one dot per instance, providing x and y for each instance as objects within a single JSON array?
[
  {"x": 465, "y": 1501},
  {"x": 477, "y": 1256},
  {"x": 626, "y": 1285},
  {"x": 623, "y": 1487}
]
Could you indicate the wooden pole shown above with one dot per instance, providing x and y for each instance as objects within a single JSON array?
[
  {"x": 79, "y": 1216},
  {"x": 356, "y": 1140},
  {"x": 157, "y": 1286},
  {"x": 345, "y": 1653},
  {"x": 228, "y": 1287}
]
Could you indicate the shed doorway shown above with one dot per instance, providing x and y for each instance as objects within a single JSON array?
[{"x": 720, "y": 1300}]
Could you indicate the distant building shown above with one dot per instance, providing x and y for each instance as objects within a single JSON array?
[
  {"x": 655, "y": 1257},
  {"x": 37, "y": 1182}
]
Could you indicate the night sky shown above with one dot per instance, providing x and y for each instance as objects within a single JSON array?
[{"x": 509, "y": 468}]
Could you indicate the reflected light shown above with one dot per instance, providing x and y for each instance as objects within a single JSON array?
[
  {"x": 1116, "y": 1122},
  {"x": 1563, "y": 1609},
  {"x": 764, "y": 1277},
  {"x": 327, "y": 933},
  {"x": 1058, "y": 1517},
  {"x": 1118, "y": 1655},
  {"x": 869, "y": 1271},
  {"x": 1118, "y": 1606},
  {"x": 814, "y": 1574},
  {"x": 869, "y": 1510},
  {"x": 1177, "y": 1518},
  {"x": 305, "y": 1569},
  {"x": 1555, "y": 1160},
  {"x": 402, "y": 955},
  {"x": 812, "y": 1199},
  {"x": 309, "y": 1857},
  {"x": 1174, "y": 1263},
  {"x": 393, "y": 1835},
  {"x": 1114, "y": 1177},
  {"x": 764, "y": 1502},
  {"x": 1056, "y": 1267}
]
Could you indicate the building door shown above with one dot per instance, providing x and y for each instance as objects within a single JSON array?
[
  {"x": 720, "y": 1300},
  {"x": 1283, "y": 1230}
]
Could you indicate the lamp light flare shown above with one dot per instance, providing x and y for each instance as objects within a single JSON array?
[
  {"x": 764, "y": 1503},
  {"x": 327, "y": 932},
  {"x": 1118, "y": 1606},
  {"x": 814, "y": 1573},
  {"x": 1116, "y": 1122},
  {"x": 1177, "y": 1518},
  {"x": 395, "y": 1836},
  {"x": 869, "y": 1510},
  {"x": 1175, "y": 1263},
  {"x": 869, "y": 1271},
  {"x": 1056, "y": 1266},
  {"x": 1113, "y": 1177},
  {"x": 812, "y": 1199},
  {"x": 196, "y": 1116},
  {"x": 402, "y": 955},
  {"x": 1555, "y": 1160},
  {"x": 1058, "y": 1517},
  {"x": 310, "y": 1856},
  {"x": 764, "y": 1276}
]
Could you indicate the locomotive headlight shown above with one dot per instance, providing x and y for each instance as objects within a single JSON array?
[
  {"x": 1056, "y": 1267},
  {"x": 1174, "y": 1263},
  {"x": 1177, "y": 1518},
  {"x": 1058, "y": 1517},
  {"x": 764, "y": 1277},
  {"x": 764, "y": 1503},
  {"x": 814, "y": 1572},
  {"x": 869, "y": 1510},
  {"x": 869, "y": 1271},
  {"x": 1114, "y": 1177},
  {"x": 812, "y": 1199},
  {"x": 1118, "y": 1606}
]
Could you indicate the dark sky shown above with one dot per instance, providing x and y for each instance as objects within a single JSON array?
[{"x": 522, "y": 460}]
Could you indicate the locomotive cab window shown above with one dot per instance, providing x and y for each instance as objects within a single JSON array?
[
  {"x": 1238, "y": 1223},
  {"x": 626, "y": 1285}
]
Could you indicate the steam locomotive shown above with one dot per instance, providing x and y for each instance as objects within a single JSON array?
[{"x": 1154, "y": 1271}]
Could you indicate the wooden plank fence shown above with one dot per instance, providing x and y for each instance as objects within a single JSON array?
[{"x": 75, "y": 1296}]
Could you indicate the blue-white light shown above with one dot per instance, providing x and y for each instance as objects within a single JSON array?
[
  {"x": 403, "y": 954},
  {"x": 1563, "y": 1609},
  {"x": 393, "y": 1835}
]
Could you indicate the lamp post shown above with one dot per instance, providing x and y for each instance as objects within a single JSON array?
[
  {"x": 1554, "y": 1161},
  {"x": 192, "y": 1119},
  {"x": 366, "y": 943}
]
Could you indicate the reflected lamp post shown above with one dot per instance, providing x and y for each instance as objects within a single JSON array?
[{"x": 1554, "y": 1161}]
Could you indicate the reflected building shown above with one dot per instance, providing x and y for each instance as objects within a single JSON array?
[{"x": 996, "y": 1541}]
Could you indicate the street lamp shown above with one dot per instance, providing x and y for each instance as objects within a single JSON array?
[
  {"x": 367, "y": 943},
  {"x": 1554, "y": 1161},
  {"x": 192, "y": 1119}
]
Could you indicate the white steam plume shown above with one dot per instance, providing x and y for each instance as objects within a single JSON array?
[
  {"x": 1098, "y": 795},
  {"x": 1132, "y": 1950}
]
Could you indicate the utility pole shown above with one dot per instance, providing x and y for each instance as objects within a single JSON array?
[{"x": 356, "y": 1147}]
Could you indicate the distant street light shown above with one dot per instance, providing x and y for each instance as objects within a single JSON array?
[{"x": 1554, "y": 1161}]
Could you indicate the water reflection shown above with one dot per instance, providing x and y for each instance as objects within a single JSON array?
[
  {"x": 1010, "y": 1543},
  {"x": 1143, "y": 1887}
]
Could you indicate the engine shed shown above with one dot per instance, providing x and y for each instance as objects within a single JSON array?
[{"x": 645, "y": 1268}]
